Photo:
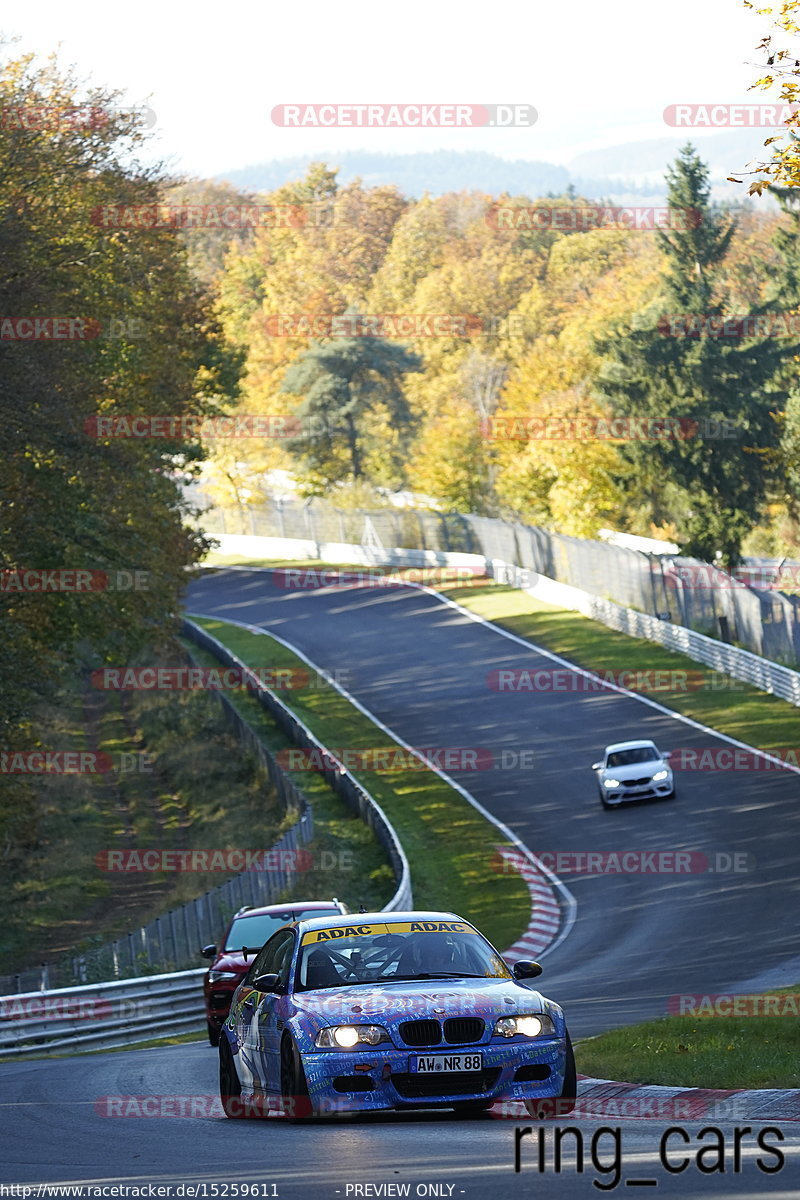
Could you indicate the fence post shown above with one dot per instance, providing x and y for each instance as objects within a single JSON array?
[{"x": 175, "y": 958}]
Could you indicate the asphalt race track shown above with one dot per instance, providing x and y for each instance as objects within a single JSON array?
[
  {"x": 55, "y": 1130},
  {"x": 421, "y": 668}
]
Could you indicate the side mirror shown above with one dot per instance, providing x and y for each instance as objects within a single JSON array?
[
  {"x": 266, "y": 983},
  {"x": 597, "y": 766},
  {"x": 208, "y": 952},
  {"x": 245, "y": 953},
  {"x": 526, "y": 969},
  {"x": 666, "y": 753}
]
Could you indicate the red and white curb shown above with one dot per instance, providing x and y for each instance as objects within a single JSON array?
[
  {"x": 605, "y": 1100},
  {"x": 545, "y": 911}
]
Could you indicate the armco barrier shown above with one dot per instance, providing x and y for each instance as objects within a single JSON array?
[
  {"x": 171, "y": 941},
  {"x": 100, "y": 1015},
  {"x": 741, "y": 664},
  {"x": 339, "y": 779},
  {"x": 730, "y": 660}
]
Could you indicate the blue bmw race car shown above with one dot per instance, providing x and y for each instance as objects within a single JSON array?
[{"x": 386, "y": 1011}]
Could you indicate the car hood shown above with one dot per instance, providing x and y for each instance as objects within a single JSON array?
[
  {"x": 232, "y": 960},
  {"x": 388, "y": 1003},
  {"x": 636, "y": 770}
]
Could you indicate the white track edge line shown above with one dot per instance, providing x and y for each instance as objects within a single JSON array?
[{"x": 570, "y": 903}]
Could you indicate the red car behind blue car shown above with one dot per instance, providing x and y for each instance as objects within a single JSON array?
[{"x": 250, "y": 928}]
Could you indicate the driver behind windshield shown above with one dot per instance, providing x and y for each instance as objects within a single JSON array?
[{"x": 391, "y": 956}]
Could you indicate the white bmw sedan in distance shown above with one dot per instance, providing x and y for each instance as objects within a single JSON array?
[{"x": 633, "y": 771}]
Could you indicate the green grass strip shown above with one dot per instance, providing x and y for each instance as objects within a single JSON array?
[
  {"x": 689, "y": 688},
  {"x": 753, "y": 1051}
]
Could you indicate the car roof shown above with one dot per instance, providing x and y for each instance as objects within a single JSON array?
[
  {"x": 290, "y": 906},
  {"x": 630, "y": 745},
  {"x": 377, "y": 918}
]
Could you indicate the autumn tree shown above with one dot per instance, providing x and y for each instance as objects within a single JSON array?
[{"x": 70, "y": 495}]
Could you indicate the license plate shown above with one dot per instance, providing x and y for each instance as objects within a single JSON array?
[{"x": 429, "y": 1064}]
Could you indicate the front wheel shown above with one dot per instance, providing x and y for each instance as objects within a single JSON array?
[{"x": 295, "y": 1099}]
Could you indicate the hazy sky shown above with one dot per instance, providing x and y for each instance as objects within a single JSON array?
[{"x": 598, "y": 73}]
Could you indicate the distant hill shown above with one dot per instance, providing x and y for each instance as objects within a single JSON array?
[{"x": 631, "y": 173}]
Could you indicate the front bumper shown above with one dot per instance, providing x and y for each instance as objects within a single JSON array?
[
  {"x": 622, "y": 794},
  {"x": 381, "y": 1078},
  {"x": 218, "y": 997}
]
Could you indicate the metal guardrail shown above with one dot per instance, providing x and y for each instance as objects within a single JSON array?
[
  {"x": 337, "y": 776},
  {"x": 681, "y": 590},
  {"x": 730, "y": 660},
  {"x": 101, "y": 1015}
]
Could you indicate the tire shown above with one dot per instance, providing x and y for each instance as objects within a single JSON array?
[
  {"x": 213, "y": 1033},
  {"x": 230, "y": 1087},
  {"x": 548, "y": 1107},
  {"x": 295, "y": 1099}
]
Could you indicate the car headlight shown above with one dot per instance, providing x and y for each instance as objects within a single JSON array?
[
  {"x": 534, "y": 1025},
  {"x": 659, "y": 775},
  {"x": 347, "y": 1037},
  {"x": 215, "y": 975},
  {"x": 611, "y": 783}
]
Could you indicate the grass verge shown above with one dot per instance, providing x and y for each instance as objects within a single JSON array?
[
  {"x": 687, "y": 687},
  {"x": 760, "y": 1051},
  {"x": 683, "y": 685},
  {"x": 180, "y": 781}
]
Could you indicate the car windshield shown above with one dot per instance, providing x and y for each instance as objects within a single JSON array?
[
  {"x": 253, "y": 931},
  {"x": 395, "y": 952},
  {"x": 637, "y": 754}
]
